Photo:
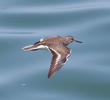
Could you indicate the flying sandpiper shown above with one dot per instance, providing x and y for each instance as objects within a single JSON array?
[{"x": 57, "y": 45}]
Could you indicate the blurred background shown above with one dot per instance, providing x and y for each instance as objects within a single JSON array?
[{"x": 23, "y": 74}]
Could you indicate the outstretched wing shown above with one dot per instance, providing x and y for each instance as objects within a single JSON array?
[{"x": 60, "y": 56}]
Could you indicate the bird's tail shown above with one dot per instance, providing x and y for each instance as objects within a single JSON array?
[{"x": 30, "y": 47}]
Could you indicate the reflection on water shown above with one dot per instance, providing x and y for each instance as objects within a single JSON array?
[{"x": 23, "y": 75}]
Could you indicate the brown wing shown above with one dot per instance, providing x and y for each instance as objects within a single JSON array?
[{"x": 59, "y": 58}]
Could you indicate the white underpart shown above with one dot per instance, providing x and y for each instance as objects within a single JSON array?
[
  {"x": 41, "y": 40},
  {"x": 42, "y": 47},
  {"x": 58, "y": 58}
]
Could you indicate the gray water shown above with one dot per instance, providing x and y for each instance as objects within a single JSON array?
[{"x": 23, "y": 74}]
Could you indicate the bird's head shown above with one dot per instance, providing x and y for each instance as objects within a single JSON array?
[{"x": 71, "y": 39}]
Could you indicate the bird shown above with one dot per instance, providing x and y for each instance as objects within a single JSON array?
[{"x": 57, "y": 45}]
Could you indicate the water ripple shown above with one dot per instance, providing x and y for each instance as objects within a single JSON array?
[{"x": 86, "y": 74}]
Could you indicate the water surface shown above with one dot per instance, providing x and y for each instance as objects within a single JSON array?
[{"x": 23, "y": 75}]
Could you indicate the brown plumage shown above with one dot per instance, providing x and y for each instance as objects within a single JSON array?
[{"x": 58, "y": 47}]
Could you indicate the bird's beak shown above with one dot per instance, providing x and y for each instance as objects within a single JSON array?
[{"x": 78, "y": 41}]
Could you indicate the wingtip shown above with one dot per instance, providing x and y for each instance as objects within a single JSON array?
[{"x": 49, "y": 75}]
